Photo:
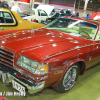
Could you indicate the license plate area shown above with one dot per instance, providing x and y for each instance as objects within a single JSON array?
[{"x": 18, "y": 86}]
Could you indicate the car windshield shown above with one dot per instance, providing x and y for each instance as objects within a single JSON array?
[
  {"x": 57, "y": 15},
  {"x": 74, "y": 27}
]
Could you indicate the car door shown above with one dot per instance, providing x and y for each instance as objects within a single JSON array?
[
  {"x": 93, "y": 55},
  {"x": 43, "y": 15},
  {"x": 94, "y": 51},
  {"x": 7, "y": 21}
]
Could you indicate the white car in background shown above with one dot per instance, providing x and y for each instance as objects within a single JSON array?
[{"x": 41, "y": 13}]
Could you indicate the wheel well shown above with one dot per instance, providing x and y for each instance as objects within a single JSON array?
[
  {"x": 36, "y": 21},
  {"x": 82, "y": 70},
  {"x": 82, "y": 67}
]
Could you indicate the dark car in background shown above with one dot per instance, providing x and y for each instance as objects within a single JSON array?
[{"x": 57, "y": 15}]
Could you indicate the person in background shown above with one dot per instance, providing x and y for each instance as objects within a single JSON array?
[
  {"x": 5, "y": 5},
  {"x": 16, "y": 8},
  {"x": 1, "y": 4},
  {"x": 77, "y": 14},
  {"x": 88, "y": 15},
  {"x": 68, "y": 12},
  {"x": 62, "y": 11}
]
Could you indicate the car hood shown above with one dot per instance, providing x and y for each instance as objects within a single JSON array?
[
  {"x": 41, "y": 42},
  {"x": 47, "y": 8}
]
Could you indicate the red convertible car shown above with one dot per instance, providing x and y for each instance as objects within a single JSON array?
[{"x": 51, "y": 56}]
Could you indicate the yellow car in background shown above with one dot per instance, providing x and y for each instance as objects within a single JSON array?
[{"x": 10, "y": 20}]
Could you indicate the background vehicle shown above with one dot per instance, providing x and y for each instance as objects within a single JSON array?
[
  {"x": 95, "y": 16},
  {"x": 36, "y": 4},
  {"x": 41, "y": 13},
  {"x": 55, "y": 16},
  {"x": 10, "y": 20},
  {"x": 51, "y": 56}
]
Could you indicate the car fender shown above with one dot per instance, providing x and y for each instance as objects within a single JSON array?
[{"x": 70, "y": 64}]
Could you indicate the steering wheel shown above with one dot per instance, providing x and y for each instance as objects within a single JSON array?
[{"x": 84, "y": 32}]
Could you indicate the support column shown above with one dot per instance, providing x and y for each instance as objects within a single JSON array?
[
  {"x": 79, "y": 6},
  {"x": 32, "y": 3},
  {"x": 85, "y": 7},
  {"x": 47, "y": 2},
  {"x": 43, "y": 1},
  {"x": 86, "y": 3}
]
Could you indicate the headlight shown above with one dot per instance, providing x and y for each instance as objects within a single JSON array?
[{"x": 32, "y": 66}]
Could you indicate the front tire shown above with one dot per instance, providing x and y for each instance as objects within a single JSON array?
[{"x": 69, "y": 79}]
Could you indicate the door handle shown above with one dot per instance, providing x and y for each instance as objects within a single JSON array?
[{"x": 2, "y": 28}]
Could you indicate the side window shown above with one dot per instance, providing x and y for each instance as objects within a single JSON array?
[
  {"x": 52, "y": 12},
  {"x": 1, "y": 17},
  {"x": 43, "y": 13},
  {"x": 8, "y": 18},
  {"x": 36, "y": 5},
  {"x": 98, "y": 36},
  {"x": 1, "y": 14},
  {"x": 33, "y": 12},
  {"x": 89, "y": 29}
]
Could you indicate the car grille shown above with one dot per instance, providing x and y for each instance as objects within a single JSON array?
[{"x": 6, "y": 57}]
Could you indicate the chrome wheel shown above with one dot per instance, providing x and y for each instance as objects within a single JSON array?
[{"x": 69, "y": 78}]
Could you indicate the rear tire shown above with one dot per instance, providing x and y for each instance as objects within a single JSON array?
[
  {"x": 36, "y": 21},
  {"x": 69, "y": 79}
]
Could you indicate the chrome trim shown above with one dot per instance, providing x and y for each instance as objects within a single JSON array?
[
  {"x": 6, "y": 61},
  {"x": 6, "y": 50},
  {"x": 27, "y": 75},
  {"x": 33, "y": 89},
  {"x": 5, "y": 54},
  {"x": 77, "y": 47},
  {"x": 36, "y": 87}
]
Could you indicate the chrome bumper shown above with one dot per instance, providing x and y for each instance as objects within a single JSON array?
[{"x": 7, "y": 78}]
